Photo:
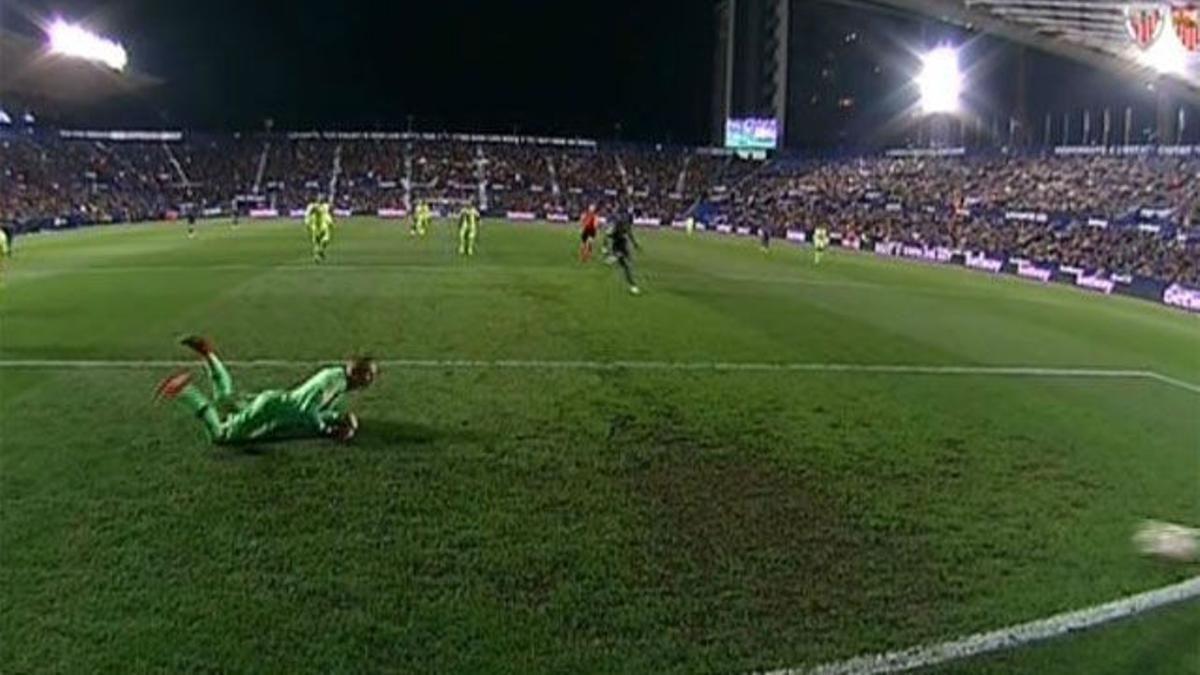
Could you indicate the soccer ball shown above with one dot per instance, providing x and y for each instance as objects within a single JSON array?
[{"x": 1167, "y": 541}]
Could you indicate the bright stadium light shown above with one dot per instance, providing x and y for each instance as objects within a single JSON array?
[
  {"x": 1166, "y": 56},
  {"x": 940, "y": 81},
  {"x": 72, "y": 40}
]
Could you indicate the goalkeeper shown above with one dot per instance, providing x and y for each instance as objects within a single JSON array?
[
  {"x": 316, "y": 408},
  {"x": 468, "y": 229}
]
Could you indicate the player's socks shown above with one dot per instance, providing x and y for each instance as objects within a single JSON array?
[{"x": 190, "y": 397}]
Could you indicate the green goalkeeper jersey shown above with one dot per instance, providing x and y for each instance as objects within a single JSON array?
[{"x": 308, "y": 410}]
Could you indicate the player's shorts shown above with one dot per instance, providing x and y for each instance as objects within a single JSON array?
[{"x": 587, "y": 234}]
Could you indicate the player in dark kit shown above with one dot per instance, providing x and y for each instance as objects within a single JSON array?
[
  {"x": 588, "y": 224},
  {"x": 190, "y": 210},
  {"x": 620, "y": 237}
]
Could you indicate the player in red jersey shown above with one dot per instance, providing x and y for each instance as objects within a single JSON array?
[{"x": 588, "y": 223}]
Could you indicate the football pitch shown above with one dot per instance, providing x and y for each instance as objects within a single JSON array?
[{"x": 759, "y": 463}]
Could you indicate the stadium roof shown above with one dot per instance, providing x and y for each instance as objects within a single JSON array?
[{"x": 1092, "y": 31}]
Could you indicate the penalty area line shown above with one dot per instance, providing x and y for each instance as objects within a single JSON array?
[
  {"x": 695, "y": 366},
  {"x": 1188, "y": 386},
  {"x": 1010, "y": 637}
]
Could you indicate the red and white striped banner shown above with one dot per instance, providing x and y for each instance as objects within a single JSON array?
[{"x": 1144, "y": 23}]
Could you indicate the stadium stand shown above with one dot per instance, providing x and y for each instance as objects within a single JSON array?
[
  {"x": 1125, "y": 215},
  {"x": 1122, "y": 215}
]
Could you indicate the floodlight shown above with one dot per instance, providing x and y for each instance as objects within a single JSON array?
[
  {"x": 75, "y": 41},
  {"x": 1166, "y": 56},
  {"x": 940, "y": 81}
]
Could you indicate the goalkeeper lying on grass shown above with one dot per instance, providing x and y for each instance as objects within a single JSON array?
[{"x": 315, "y": 408}]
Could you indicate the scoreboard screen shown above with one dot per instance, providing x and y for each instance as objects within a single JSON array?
[{"x": 751, "y": 133}]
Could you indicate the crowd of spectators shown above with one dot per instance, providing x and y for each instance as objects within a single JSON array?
[
  {"x": 213, "y": 169},
  {"x": 1122, "y": 215},
  {"x": 518, "y": 168},
  {"x": 78, "y": 182},
  {"x": 88, "y": 181},
  {"x": 1127, "y": 215}
]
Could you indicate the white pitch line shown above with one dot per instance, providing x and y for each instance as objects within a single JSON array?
[
  {"x": 1175, "y": 382},
  {"x": 1009, "y": 637},
  {"x": 695, "y": 366}
]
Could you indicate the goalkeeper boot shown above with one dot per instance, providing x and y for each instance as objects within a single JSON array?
[
  {"x": 169, "y": 388},
  {"x": 199, "y": 344}
]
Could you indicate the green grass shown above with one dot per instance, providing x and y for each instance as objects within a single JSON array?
[{"x": 546, "y": 520}]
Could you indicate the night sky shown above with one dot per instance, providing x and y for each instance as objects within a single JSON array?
[
  {"x": 533, "y": 66},
  {"x": 638, "y": 70}
]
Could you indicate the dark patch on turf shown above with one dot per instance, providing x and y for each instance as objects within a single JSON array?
[
  {"x": 751, "y": 552},
  {"x": 617, "y": 424},
  {"x": 539, "y": 293},
  {"x": 957, "y": 446},
  {"x": 392, "y": 433}
]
